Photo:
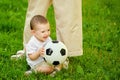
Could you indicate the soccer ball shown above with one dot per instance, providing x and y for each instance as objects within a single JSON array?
[{"x": 55, "y": 52}]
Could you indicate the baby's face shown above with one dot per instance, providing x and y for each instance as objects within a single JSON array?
[{"x": 42, "y": 32}]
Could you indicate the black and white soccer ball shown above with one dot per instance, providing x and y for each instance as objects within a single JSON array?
[{"x": 55, "y": 52}]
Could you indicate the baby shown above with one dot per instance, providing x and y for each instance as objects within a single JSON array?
[{"x": 40, "y": 30}]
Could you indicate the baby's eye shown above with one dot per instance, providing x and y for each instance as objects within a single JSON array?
[
  {"x": 43, "y": 31},
  {"x": 48, "y": 29}
]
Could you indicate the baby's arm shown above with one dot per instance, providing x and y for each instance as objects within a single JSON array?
[{"x": 36, "y": 54}]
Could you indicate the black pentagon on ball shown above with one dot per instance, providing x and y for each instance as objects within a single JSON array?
[
  {"x": 63, "y": 52},
  {"x": 49, "y": 51},
  {"x": 56, "y": 63},
  {"x": 55, "y": 41}
]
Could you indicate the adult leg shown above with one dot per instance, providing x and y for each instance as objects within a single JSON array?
[{"x": 68, "y": 14}]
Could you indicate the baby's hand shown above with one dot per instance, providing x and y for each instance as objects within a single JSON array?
[{"x": 41, "y": 51}]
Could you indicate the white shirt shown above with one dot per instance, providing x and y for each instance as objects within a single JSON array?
[{"x": 33, "y": 46}]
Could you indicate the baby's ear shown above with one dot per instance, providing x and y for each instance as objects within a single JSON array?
[{"x": 32, "y": 31}]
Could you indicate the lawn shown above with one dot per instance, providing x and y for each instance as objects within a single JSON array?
[{"x": 101, "y": 42}]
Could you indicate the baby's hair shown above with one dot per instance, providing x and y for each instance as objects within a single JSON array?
[{"x": 37, "y": 19}]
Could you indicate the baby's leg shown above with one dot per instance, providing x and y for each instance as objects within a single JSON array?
[
  {"x": 58, "y": 67},
  {"x": 44, "y": 68}
]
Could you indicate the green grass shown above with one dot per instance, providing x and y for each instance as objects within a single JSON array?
[{"x": 101, "y": 42}]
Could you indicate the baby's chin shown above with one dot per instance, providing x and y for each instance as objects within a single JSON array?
[{"x": 45, "y": 38}]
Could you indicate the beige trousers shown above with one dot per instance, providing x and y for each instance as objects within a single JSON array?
[{"x": 68, "y": 16}]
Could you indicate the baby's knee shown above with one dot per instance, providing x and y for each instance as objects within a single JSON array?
[{"x": 45, "y": 70}]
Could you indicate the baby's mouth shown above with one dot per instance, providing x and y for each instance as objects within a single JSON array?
[{"x": 45, "y": 37}]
